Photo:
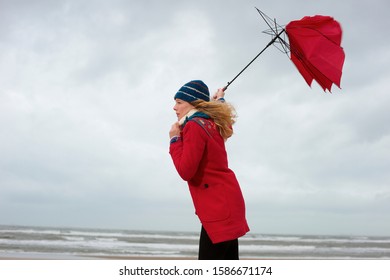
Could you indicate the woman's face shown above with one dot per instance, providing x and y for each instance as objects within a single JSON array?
[{"x": 182, "y": 108}]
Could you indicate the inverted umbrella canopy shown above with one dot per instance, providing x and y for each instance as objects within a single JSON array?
[{"x": 315, "y": 47}]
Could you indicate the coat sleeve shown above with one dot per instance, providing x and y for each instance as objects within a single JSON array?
[{"x": 188, "y": 152}]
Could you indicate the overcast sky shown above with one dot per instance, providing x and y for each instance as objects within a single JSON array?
[{"x": 86, "y": 97}]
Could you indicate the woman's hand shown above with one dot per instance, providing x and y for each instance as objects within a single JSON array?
[
  {"x": 219, "y": 94},
  {"x": 175, "y": 130}
]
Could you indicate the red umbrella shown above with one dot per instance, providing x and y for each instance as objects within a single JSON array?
[
  {"x": 314, "y": 46},
  {"x": 315, "y": 49}
]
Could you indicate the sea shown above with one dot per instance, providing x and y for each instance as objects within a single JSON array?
[{"x": 88, "y": 243}]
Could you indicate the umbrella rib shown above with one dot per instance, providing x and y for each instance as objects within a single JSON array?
[{"x": 282, "y": 42}]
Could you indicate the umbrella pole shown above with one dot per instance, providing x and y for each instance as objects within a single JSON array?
[{"x": 269, "y": 44}]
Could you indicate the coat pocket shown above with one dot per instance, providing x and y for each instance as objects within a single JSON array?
[{"x": 211, "y": 203}]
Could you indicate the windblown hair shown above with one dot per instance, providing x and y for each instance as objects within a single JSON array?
[{"x": 222, "y": 113}]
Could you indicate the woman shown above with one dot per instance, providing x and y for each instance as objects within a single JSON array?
[{"x": 197, "y": 148}]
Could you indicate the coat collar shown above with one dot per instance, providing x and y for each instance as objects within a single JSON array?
[{"x": 193, "y": 113}]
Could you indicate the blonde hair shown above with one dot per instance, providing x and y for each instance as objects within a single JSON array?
[{"x": 222, "y": 113}]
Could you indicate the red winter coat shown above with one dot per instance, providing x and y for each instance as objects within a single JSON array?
[{"x": 200, "y": 159}]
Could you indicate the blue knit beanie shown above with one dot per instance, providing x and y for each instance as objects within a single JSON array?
[{"x": 194, "y": 90}]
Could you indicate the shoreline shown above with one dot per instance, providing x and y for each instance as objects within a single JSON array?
[
  {"x": 55, "y": 256},
  {"x": 66, "y": 257}
]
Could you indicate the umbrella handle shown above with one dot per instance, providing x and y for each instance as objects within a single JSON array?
[{"x": 269, "y": 44}]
